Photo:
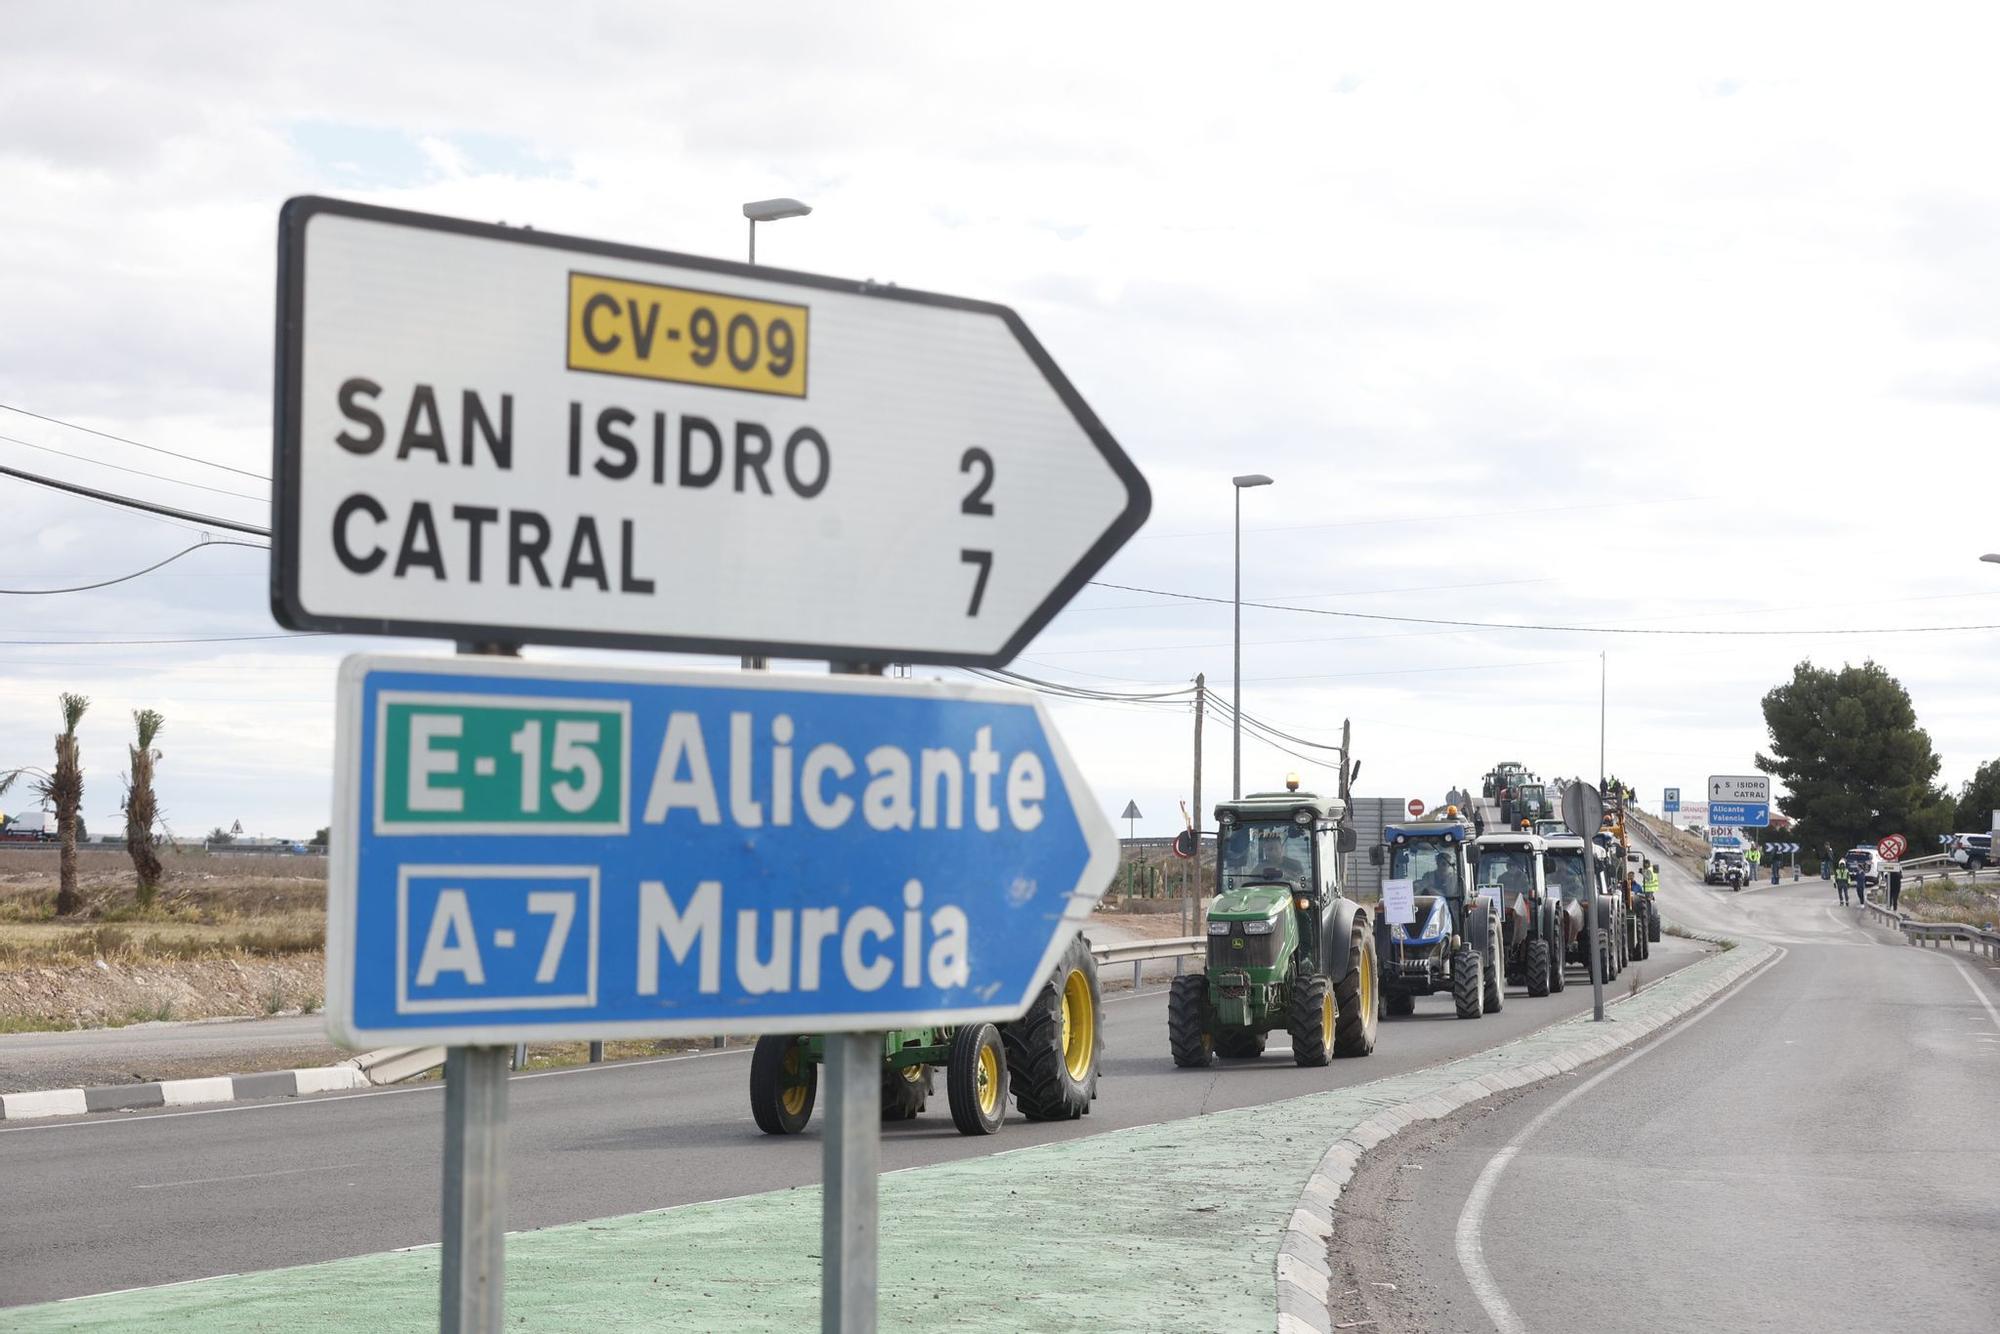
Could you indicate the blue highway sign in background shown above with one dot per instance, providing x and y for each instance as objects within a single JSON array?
[
  {"x": 526, "y": 852},
  {"x": 1739, "y": 814}
]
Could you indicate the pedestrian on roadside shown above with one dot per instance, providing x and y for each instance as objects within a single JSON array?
[
  {"x": 1895, "y": 885},
  {"x": 1840, "y": 881},
  {"x": 1774, "y": 871},
  {"x": 1861, "y": 884}
]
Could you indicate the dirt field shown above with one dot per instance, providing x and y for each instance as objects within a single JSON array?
[{"x": 227, "y": 935}]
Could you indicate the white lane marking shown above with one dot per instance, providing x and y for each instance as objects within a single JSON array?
[
  {"x": 1978, "y": 991},
  {"x": 244, "y": 1176},
  {"x": 1471, "y": 1249},
  {"x": 147, "y": 1287}
]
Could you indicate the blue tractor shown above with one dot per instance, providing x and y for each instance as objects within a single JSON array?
[{"x": 1452, "y": 945}]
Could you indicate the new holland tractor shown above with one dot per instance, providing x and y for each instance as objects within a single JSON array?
[
  {"x": 1287, "y": 949},
  {"x": 1453, "y": 944},
  {"x": 1507, "y": 873},
  {"x": 1577, "y": 873},
  {"x": 1048, "y": 1058}
]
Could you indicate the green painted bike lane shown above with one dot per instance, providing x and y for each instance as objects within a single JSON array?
[{"x": 1175, "y": 1225}]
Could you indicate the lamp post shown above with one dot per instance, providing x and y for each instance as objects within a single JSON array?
[
  {"x": 770, "y": 210},
  {"x": 767, "y": 210},
  {"x": 1993, "y": 556},
  {"x": 1247, "y": 480}
]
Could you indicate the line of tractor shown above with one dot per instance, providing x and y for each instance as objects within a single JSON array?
[{"x": 1470, "y": 905}]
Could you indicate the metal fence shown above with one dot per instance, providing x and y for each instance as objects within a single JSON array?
[{"x": 1939, "y": 933}]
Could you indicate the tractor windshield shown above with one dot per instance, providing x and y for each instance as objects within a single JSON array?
[
  {"x": 1431, "y": 862},
  {"x": 1566, "y": 874},
  {"x": 1508, "y": 869},
  {"x": 1262, "y": 854}
]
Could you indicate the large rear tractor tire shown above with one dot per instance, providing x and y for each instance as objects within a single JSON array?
[
  {"x": 1492, "y": 995},
  {"x": 1053, "y": 1050},
  {"x": 1401, "y": 1004},
  {"x": 1539, "y": 969},
  {"x": 1652, "y": 924},
  {"x": 1241, "y": 1044},
  {"x": 1468, "y": 981},
  {"x": 975, "y": 1080},
  {"x": 1558, "y": 978},
  {"x": 1358, "y": 998},
  {"x": 783, "y": 1084},
  {"x": 1314, "y": 1020},
  {"x": 1190, "y": 1023}
]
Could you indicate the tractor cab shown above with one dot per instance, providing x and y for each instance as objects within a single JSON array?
[{"x": 1279, "y": 878}]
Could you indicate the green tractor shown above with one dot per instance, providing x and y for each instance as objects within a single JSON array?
[
  {"x": 1286, "y": 948},
  {"x": 1454, "y": 944},
  {"x": 1048, "y": 1058}
]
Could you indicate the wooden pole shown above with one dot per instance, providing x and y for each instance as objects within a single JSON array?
[{"x": 1193, "y": 886}]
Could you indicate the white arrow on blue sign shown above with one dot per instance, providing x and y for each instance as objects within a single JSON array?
[{"x": 532, "y": 851}]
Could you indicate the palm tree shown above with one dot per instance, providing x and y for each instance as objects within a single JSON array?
[
  {"x": 64, "y": 787},
  {"x": 142, "y": 807}
]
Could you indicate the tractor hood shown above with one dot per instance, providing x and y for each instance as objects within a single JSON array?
[{"x": 1250, "y": 903}]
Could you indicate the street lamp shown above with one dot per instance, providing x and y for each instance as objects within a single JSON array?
[
  {"x": 767, "y": 210},
  {"x": 770, "y": 210},
  {"x": 1993, "y": 556},
  {"x": 1248, "y": 479}
]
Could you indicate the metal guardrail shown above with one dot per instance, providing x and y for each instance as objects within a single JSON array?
[
  {"x": 1949, "y": 933},
  {"x": 1139, "y": 953}
]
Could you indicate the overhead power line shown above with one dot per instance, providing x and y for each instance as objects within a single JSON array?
[
  {"x": 139, "y": 643},
  {"x": 125, "y": 578},
  {"x": 130, "y": 502},
  {"x": 1563, "y": 629},
  {"x": 155, "y": 449},
  {"x": 136, "y": 472}
]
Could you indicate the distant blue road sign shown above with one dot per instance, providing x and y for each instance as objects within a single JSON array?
[
  {"x": 1739, "y": 814},
  {"x": 527, "y": 852},
  {"x": 1673, "y": 802}
]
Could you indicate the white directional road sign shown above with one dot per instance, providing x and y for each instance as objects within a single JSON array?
[
  {"x": 1739, "y": 788},
  {"x": 525, "y": 852},
  {"x": 498, "y": 434}
]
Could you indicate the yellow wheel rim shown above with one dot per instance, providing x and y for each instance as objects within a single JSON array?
[
  {"x": 1079, "y": 1026},
  {"x": 794, "y": 1095},
  {"x": 1326, "y": 1014},
  {"x": 913, "y": 1074},
  {"x": 1367, "y": 997},
  {"x": 989, "y": 1080}
]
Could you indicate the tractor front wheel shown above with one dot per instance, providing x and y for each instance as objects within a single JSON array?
[
  {"x": 1190, "y": 1025},
  {"x": 1467, "y": 982},
  {"x": 783, "y": 1082},
  {"x": 1053, "y": 1049},
  {"x": 975, "y": 1080},
  {"x": 1313, "y": 1020},
  {"x": 1652, "y": 924},
  {"x": 904, "y": 1091},
  {"x": 1358, "y": 997}
]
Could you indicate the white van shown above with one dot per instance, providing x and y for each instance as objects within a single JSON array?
[{"x": 1865, "y": 865}]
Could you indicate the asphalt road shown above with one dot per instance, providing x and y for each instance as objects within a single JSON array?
[
  {"x": 1811, "y": 1152},
  {"x": 126, "y": 1200}
]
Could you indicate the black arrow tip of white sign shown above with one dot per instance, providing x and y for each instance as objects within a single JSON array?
[{"x": 495, "y": 434}]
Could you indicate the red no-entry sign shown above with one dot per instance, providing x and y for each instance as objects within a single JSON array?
[{"x": 1416, "y": 807}]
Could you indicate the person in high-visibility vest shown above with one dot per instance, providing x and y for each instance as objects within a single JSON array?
[{"x": 1652, "y": 877}]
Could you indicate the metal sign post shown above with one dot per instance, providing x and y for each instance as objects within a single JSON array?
[
  {"x": 471, "y": 1288},
  {"x": 849, "y": 1227},
  {"x": 1583, "y": 812}
]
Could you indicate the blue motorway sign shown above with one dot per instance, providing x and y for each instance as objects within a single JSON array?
[
  {"x": 1739, "y": 814},
  {"x": 1673, "y": 802},
  {"x": 528, "y": 851}
]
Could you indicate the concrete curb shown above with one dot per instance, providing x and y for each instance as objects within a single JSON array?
[
  {"x": 1303, "y": 1281},
  {"x": 180, "y": 1092}
]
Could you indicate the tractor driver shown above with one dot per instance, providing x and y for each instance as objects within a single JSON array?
[{"x": 1282, "y": 853}]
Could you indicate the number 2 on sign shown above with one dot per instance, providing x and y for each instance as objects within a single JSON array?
[{"x": 977, "y": 460}]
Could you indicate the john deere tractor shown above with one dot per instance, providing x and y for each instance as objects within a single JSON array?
[
  {"x": 1049, "y": 1057},
  {"x": 1453, "y": 944},
  {"x": 1507, "y": 872},
  {"x": 1286, "y": 948}
]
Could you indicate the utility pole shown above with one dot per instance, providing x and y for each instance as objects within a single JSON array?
[
  {"x": 1200, "y": 708},
  {"x": 1603, "y": 682},
  {"x": 1346, "y": 769}
]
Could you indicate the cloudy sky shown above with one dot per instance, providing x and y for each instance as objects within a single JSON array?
[{"x": 1556, "y": 317}]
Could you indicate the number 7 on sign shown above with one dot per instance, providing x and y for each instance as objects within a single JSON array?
[{"x": 559, "y": 905}]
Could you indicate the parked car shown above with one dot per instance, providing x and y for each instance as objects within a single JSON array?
[
  {"x": 1864, "y": 864},
  {"x": 1972, "y": 851}
]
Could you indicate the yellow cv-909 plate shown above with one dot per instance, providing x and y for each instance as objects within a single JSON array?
[{"x": 653, "y": 332}]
